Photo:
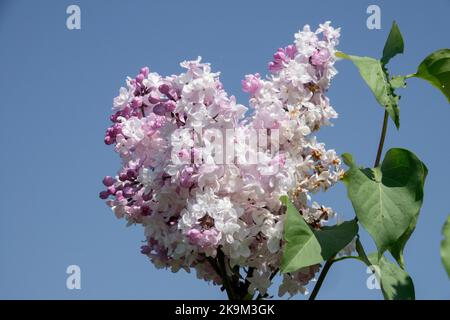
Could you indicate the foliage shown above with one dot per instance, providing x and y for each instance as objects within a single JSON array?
[{"x": 387, "y": 197}]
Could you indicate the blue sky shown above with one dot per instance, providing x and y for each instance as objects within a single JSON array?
[{"x": 56, "y": 92}]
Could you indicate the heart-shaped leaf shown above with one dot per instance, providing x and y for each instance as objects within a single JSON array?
[
  {"x": 397, "y": 248},
  {"x": 396, "y": 284},
  {"x": 386, "y": 199},
  {"x": 436, "y": 69},
  {"x": 445, "y": 246},
  {"x": 371, "y": 70},
  {"x": 305, "y": 247}
]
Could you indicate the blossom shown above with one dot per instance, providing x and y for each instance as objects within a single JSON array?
[
  {"x": 252, "y": 83},
  {"x": 194, "y": 199},
  {"x": 133, "y": 128},
  {"x": 121, "y": 101}
]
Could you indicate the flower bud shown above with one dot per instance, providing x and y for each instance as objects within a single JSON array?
[
  {"x": 145, "y": 250},
  {"x": 160, "y": 109},
  {"x": 139, "y": 78},
  {"x": 279, "y": 55},
  {"x": 104, "y": 195},
  {"x": 109, "y": 140},
  {"x": 144, "y": 71},
  {"x": 108, "y": 181},
  {"x": 164, "y": 88},
  {"x": 131, "y": 173},
  {"x": 291, "y": 51},
  {"x": 123, "y": 176}
]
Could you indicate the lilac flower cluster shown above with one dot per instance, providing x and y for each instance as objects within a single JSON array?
[{"x": 193, "y": 206}]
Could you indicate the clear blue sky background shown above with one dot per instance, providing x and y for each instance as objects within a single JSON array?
[{"x": 56, "y": 92}]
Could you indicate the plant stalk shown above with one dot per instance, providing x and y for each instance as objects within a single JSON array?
[
  {"x": 382, "y": 138},
  {"x": 322, "y": 276}
]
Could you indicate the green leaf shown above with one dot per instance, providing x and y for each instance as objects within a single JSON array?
[
  {"x": 445, "y": 246},
  {"x": 333, "y": 239},
  {"x": 302, "y": 249},
  {"x": 396, "y": 284},
  {"x": 397, "y": 248},
  {"x": 371, "y": 70},
  {"x": 436, "y": 69},
  {"x": 386, "y": 199},
  {"x": 305, "y": 247},
  {"x": 398, "y": 82},
  {"x": 394, "y": 44},
  {"x": 348, "y": 159}
]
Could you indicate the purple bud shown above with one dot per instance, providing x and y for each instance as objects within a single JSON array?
[
  {"x": 117, "y": 128},
  {"x": 279, "y": 55},
  {"x": 291, "y": 50},
  {"x": 160, "y": 109},
  {"x": 108, "y": 181},
  {"x": 126, "y": 110},
  {"x": 145, "y": 249},
  {"x": 139, "y": 78},
  {"x": 164, "y": 88},
  {"x": 104, "y": 195},
  {"x": 131, "y": 173},
  {"x": 109, "y": 140},
  {"x": 123, "y": 176},
  {"x": 144, "y": 71}
]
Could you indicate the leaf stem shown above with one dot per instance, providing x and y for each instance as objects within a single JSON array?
[
  {"x": 346, "y": 258},
  {"x": 361, "y": 257},
  {"x": 362, "y": 254},
  {"x": 382, "y": 138},
  {"x": 322, "y": 276}
]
